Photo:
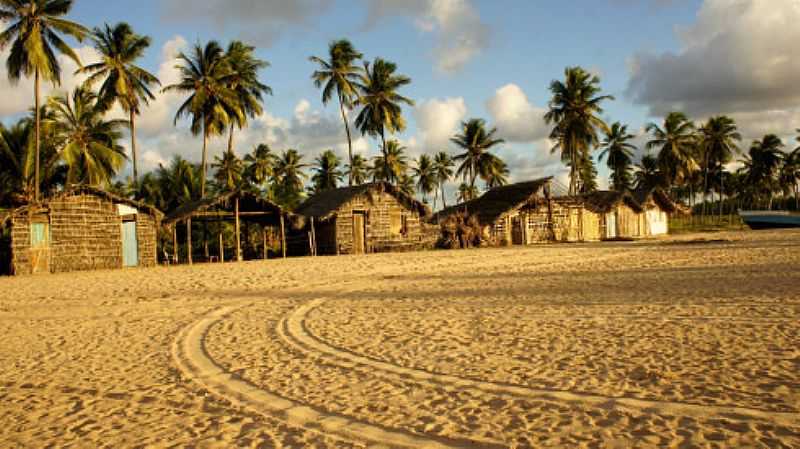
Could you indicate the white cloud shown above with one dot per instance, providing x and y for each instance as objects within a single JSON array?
[
  {"x": 438, "y": 120},
  {"x": 517, "y": 120},
  {"x": 460, "y": 33},
  {"x": 740, "y": 57},
  {"x": 158, "y": 115}
]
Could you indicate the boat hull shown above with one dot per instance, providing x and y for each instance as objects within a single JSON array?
[{"x": 770, "y": 220}]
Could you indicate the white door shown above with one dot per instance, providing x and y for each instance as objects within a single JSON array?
[{"x": 611, "y": 225}]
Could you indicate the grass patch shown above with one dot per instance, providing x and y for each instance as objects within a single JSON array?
[{"x": 689, "y": 225}]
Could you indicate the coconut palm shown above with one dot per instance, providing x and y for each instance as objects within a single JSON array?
[
  {"x": 289, "y": 178},
  {"x": 575, "y": 111},
  {"x": 392, "y": 166},
  {"x": 260, "y": 165},
  {"x": 123, "y": 82},
  {"x": 495, "y": 172},
  {"x": 466, "y": 192},
  {"x": 443, "y": 164},
  {"x": 790, "y": 174},
  {"x": 676, "y": 143},
  {"x": 86, "y": 142},
  {"x": 718, "y": 141},
  {"x": 17, "y": 160},
  {"x": 339, "y": 74},
  {"x": 476, "y": 141},
  {"x": 34, "y": 30},
  {"x": 358, "y": 170},
  {"x": 761, "y": 165},
  {"x": 229, "y": 172},
  {"x": 249, "y": 90},
  {"x": 425, "y": 174},
  {"x": 648, "y": 174},
  {"x": 380, "y": 102},
  {"x": 207, "y": 77},
  {"x": 617, "y": 147},
  {"x": 179, "y": 182},
  {"x": 326, "y": 172}
]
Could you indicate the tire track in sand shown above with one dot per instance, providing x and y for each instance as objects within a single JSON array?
[
  {"x": 189, "y": 354},
  {"x": 295, "y": 332}
]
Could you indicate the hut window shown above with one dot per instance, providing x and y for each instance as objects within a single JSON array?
[{"x": 398, "y": 223}]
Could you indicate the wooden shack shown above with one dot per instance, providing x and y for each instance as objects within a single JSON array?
[
  {"x": 514, "y": 214},
  {"x": 574, "y": 221},
  {"x": 620, "y": 216},
  {"x": 657, "y": 208},
  {"x": 368, "y": 218},
  {"x": 82, "y": 228}
]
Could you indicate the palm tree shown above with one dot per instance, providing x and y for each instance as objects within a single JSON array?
[
  {"x": 87, "y": 143},
  {"x": 340, "y": 74},
  {"x": 392, "y": 166},
  {"x": 34, "y": 29},
  {"x": 443, "y": 164},
  {"x": 495, "y": 172},
  {"x": 379, "y": 100},
  {"x": 357, "y": 170},
  {"x": 249, "y": 90},
  {"x": 425, "y": 174},
  {"x": 619, "y": 150},
  {"x": 648, "y": 174},
  {"x": 406, "y": 184},
  {"x": 179, "y": 182},
  {"x": 466, "y": 192},
  {"x": 207, "y": 77},
  {"x": 575, "y": 111},
  {"x": 17, "y": 160},
  {"x": 718, "y": 142},
  {"x": 676, "y": 147},
  {"x": 123, "y": 82},
  {"x": 289, "y": 178},
  {"x": 260, "y": 166},
  {"x": 326, "y": 172},
  {"x": 790, "y": 173},
  {"x": 229, "y": 171},
  {"x": 761, "y": 165},
  {"x": 476, "y": 142}
]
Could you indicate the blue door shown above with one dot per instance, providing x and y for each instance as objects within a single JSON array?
[{"x": 130, "y": 247}]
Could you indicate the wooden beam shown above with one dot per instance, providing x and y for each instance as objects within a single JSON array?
[
  {"x": 231, "y": 214},
  {"x": 264, "y": 241},
  {"x": 175, "y": 243},
  {"x": 221, "y": 250},
  {"x": 283, "y": 238},
  {"x": 189, "y": 240},
  {"x": 313, "y": 238},
  {"x": 238, "y": 230}
]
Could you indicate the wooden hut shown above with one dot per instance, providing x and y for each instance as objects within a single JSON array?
[
  {"x": 619, "y": 214},
  {"x": 514, "y": 214},
  {"x": 82, "y": 228},
  {"x": 235, "y": 207},
  {"x": 657, "y": 208},
  {"x": 368, "y": 218}
]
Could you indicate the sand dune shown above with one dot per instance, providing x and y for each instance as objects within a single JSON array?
[{"x": 677, "y": 343}]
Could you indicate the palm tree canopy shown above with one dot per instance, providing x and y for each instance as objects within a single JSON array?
[
  {"x": 88, "y": 144},
  {"x": 425, "y": 173},
  {"x": 648, "y": 174},
  {"x": 34, "y": 27},
  {"x": 260, "y": 164},
  {"x": 358, "y": 169},
  {"x": 122, "y": 80},
  {"x": 719, "y": 140},
  {"x": 290, "y": 177},
  {"x": 338, "y": 74},
  {"x": 229, "y": 170},
  {"x": 675, "y": 143},
  {"x": 467, "y": 192},
  {"x": 380, "y": 100},
  {"x": 207, "y": 77},
  {"x": 245, "y": 82},
  {"x": 617, "y": 147},
  {"x": 476, "y": 141},
  {"x": 443, "y": 163},
  {"x": 392, "y": 166},
  {"x": 327, "y": 175},
  {"x": 495, "y": 172}
]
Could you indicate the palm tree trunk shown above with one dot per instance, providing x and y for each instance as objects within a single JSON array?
[
  {"x": 383, "y": 144},
  {"x": 435, "y": 196},
  {"x": 133, "y": 148},
  {"x": 203, "y": 163},
  {"x": 230, "y": 140},
  {"x": 721, "y": 189},
  {"x": 38, "y": 133},
  {"x": 349, "y": 141},
  {"x": 705, "y": 187}
]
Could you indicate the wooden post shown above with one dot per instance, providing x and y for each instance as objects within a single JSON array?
[
  {"x": 175, "y": 243},
  {"x": 313, "y": 238},
  {"x": 238, "y": 237},
  {"x": 264, "y": 240},
  {"x": 283, "y": 237},
  {"x": 189, "y": 240},
  {"x": 221, "y": 250}
]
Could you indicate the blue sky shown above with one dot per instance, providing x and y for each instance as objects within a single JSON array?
[{"x": 652, "y": 55}]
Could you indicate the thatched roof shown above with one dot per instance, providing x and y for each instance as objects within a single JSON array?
[
  {"x": 248, "y": 202},
  {"x": 658, "y": 196},
  {"x": 492, "y": 205},
  {"x": 604, "y": 201},
  {"x": 324, "y": 205},
  {"x": 94, "y": 191}
]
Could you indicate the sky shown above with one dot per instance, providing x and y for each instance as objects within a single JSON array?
[{"x": 470, "y": 58}]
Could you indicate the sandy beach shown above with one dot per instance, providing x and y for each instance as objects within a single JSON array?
[{"x": 687, "y": 342}]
